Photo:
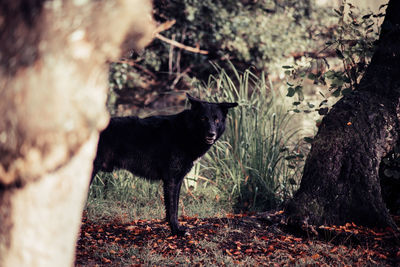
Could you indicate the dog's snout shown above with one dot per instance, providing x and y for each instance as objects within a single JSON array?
[{"x": 212, "y": 134}]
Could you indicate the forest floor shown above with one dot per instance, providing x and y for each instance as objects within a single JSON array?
[{"x": 236, "y": 239}]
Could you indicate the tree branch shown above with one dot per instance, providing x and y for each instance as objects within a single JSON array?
[{"x": 179, "y": 45}]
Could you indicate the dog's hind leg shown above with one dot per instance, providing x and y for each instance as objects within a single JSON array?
[
  {"x": 96, "y": 169},
  {"x": 94, "y": 172}
]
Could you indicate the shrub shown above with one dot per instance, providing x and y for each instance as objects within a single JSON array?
[
  {"x": 248, "y": 33},
  {"x": 352, "y": 43}
]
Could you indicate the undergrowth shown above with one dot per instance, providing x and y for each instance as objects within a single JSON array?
[
  {"x": 123, "y": 196},
  {"x": 253, "y": 167}
]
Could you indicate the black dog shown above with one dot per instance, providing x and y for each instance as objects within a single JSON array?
[{"x": 162, "y": 147}]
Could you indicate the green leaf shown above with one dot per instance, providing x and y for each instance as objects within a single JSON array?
[
  {"x": 336, "y": 93},
  {"x": 287, "y": 67},
  {"x": 330, "y": 74},
  {"x": 323, "y": 111},
  {"x": 339, "y": 54},
  {"x": 323, "y": 102},
  {"x": 382, "y": 6},
  {"x": 291, "y": 92},
  {"x": 367, "y": 16},
  {"x": 338, "y": 12},
  {"x": 369, "y": 26},
  {"x": 337, "y": 82},
  {"x": 308, "y": 139},
  {"x": 311, "y": 76},
  {"x": 296, "y": 103}
]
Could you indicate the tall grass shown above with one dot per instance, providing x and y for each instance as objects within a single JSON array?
[
  {"x": 251, "y": 162},
  {"x": 120, "y": 194},
  {"x": 251, "y": 168}
]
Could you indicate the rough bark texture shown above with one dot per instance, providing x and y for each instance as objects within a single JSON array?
[
  {"x": 340, "y": 182},
  {"x": 341, "y": 177},
  {"x": 53, "y": 83}
]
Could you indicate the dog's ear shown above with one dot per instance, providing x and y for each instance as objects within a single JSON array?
[
  {"x": 224, "y": 106},
  {"x": 228, "y": 105},
  {"x": 194, "y": 101}
]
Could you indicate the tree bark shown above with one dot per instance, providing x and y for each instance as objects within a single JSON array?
[
  {"x": 340, "y": 182},
  {"x": 53, "y": 84}
]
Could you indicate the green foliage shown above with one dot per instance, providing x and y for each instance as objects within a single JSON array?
[
  {"x": 253, "y": 167},
  {"x": 122, "y": 186},
  {"x": 248, "y": 33},
  {"x": 253, "y": 32},
  {"x": 122, "y": 195},
  {"x": 252, "y": 162},
  {"x": 352, "y": 44}
]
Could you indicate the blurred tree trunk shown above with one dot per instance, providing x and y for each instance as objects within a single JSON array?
[
  {"x": 340, "y": 182},
  {"x": 53, "y": 83}
]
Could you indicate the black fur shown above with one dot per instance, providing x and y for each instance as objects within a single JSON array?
[{"x": 162, "y": 147}]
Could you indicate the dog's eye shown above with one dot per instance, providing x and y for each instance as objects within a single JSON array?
[
  {"x": 216, "y": 120},
  {"x": 203, "y": 118}
]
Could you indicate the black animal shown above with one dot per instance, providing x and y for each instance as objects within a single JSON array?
[{"x": 162, "y": 147}]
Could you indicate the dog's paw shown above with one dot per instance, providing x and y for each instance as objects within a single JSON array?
[{"x": 180, "y": 231}]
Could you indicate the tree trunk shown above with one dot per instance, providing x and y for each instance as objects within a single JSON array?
[
  {"x": 340, "y": 182},
  {"x": 53, "y": 83}
]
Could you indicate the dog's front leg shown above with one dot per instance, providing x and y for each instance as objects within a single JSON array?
[{"x": 171, "y": 199}]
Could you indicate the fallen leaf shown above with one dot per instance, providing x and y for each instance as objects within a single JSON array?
[
  {"x": 105, "y": 260},
  {"x": 333, "y": 250},
  {"x": 315, "y": 256}
]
